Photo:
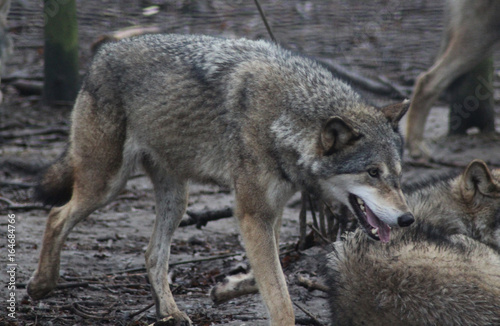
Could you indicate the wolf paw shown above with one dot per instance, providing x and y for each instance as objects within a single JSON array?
[
  {"x": 175, "y": 319},
  {"x": 39, "y": 288}
]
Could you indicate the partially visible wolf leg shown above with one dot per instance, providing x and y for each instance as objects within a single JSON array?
[
  {"x": 171, "y": 199},
  {"x": 468, "y": 42},
  {"x": 428, "y": 87}
]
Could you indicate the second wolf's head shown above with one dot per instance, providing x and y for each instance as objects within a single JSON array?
[
  {"x": 468, "y": 203},
  {"x": 360, "y": 165}
]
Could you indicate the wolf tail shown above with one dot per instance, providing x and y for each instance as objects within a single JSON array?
[{"x": 55, "y": 185}]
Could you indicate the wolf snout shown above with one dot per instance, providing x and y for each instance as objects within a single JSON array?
[{"x": 406, "y": 219}]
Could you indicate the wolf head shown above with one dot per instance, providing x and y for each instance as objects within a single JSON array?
[
  {"x": 360, "y": 163},
  {"x": 472, "y": 202},
  {"x": 467, "y": 203},
  {"x": 475, "y": 203},
  {"x": 327, "y": 140}
]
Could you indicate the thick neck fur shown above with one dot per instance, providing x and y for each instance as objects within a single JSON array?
[{"x": 437, "y": 201}]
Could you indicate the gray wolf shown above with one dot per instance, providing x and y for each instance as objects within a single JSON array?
[
  {"x": 468, "y": 203},
  {"x": 422, "y": 278},
  {"x": 245, "y": 114},
  {"x": 442, "y": 270},
  {"x": 472, "y": 30}
]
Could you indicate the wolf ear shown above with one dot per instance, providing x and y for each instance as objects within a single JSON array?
[
  {"x": 477, "y": 179},
  {"x": 394, "y": 112},
  {"x": 336, "y": 134}
]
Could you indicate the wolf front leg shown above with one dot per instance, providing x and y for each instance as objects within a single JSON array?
[
  {"x": 258, "y": 215},
  {"x": 235, "y": 286}
]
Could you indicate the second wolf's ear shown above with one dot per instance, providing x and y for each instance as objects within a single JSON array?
[
  {"x": 336, "y": 134},
  {"x": 394, "y": 112},
  {"x": 477, "y": 179}
]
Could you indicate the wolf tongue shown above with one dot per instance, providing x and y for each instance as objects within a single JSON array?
[{"x": 384, "y": 231}]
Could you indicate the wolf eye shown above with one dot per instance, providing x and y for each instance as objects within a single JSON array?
[{"x": 374, "y": 173}]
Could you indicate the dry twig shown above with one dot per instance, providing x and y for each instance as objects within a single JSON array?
[
  {"x": 37, "y": 132},
  {"x": 314, "y": 319},
  {"x": 202, "y": 218},
  {"x": 15, "y": 206},
  {"x": 143, "y": 269},
  {"x": 318, "y": 232},
  {"x": 264, "y": 19},
  {"x": 149, "y": 306},
  {"x": 77, "y": 310}
]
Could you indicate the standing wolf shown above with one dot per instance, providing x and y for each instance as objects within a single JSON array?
[
  {"x": 235, "y": 112},
  {"x": 443, "y": 270}
]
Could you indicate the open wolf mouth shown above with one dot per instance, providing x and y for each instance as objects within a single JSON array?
[{"x": 371, "y": 224}]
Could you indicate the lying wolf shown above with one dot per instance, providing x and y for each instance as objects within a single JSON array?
[
  {"x": 241, "y": 113},
  {"x": 422, "y": 278},
  {"x": 443, "y": 270}
]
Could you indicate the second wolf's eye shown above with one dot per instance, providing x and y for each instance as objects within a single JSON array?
[{"x": 374, "y": 173}]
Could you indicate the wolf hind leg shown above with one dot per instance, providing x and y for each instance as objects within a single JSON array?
[
  {"x": 97, "y": 166},
  {"x": 171, "y": 196},
  {"x": 92, "y": 189},
  {"x": 457, "y": 58}
]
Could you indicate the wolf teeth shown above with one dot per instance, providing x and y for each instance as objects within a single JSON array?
[
  {"x": 375, "y": 231},
  {"x": 361, "y": 204}
]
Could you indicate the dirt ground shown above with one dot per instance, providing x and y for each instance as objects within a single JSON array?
[{"x": 103, "y": 259}]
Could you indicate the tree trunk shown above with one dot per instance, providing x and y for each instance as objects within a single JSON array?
[
  {"x": 471, "y": 100},
  {"x": 61, "y": 80},
  {"x": 6, "y": 45}
]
